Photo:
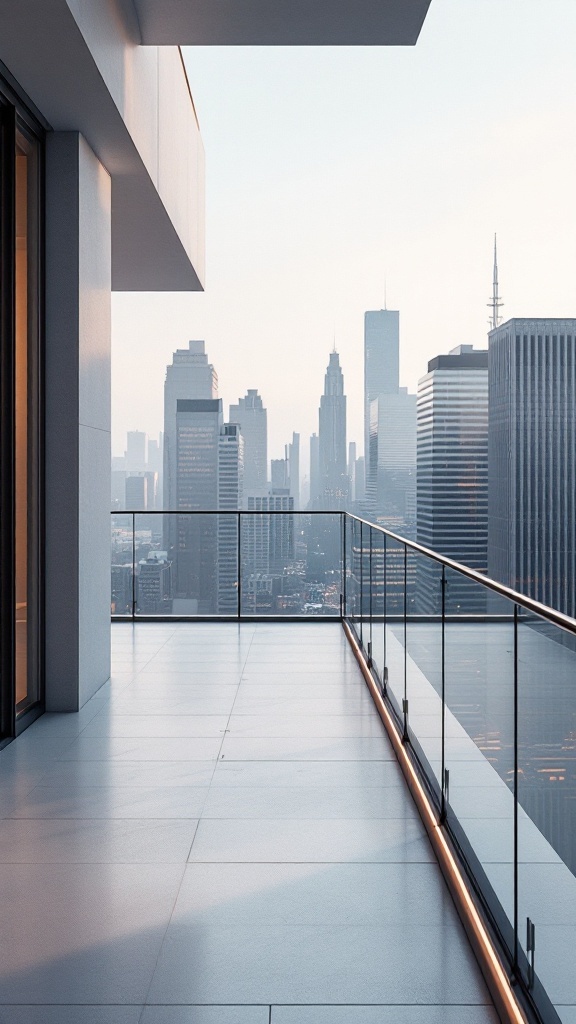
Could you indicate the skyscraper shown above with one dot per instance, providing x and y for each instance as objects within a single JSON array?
[
  {"x": 230, "y": 494},
  {"x": 192, "y": 545},
  {"x": 392, "y": 461},
  {"x": 250, "y": 413},
  {"x": 532, "y": 459},
  {"x": 452, "y": 474},
  {"x": 314, "y": 470},
  {"x": 381, "y": 361},
  {"x": 293, "y": 460},
  {"x": 190, "y": 376},
  {"x": 135, "y": 454},
  {"x": 334, "y": 484}
]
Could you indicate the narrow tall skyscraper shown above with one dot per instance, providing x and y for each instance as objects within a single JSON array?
[
  {"x": 250, "y": 414},
  {"x": 381, "y": 361},
  {"x": 532, "y": 459},
  {"x": 334, "y": 484},
  {"x": 452, "y": 475},
  {"x": 193, "y": 540},
  {"x": 190, "y": 376}
]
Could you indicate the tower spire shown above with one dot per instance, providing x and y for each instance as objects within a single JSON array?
[{"x": 495, "y": 302}]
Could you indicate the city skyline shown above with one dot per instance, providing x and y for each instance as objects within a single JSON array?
[{"x": 383, "y": 179}]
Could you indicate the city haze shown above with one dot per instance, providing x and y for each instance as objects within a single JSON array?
[{"x": 335, "y": 176}]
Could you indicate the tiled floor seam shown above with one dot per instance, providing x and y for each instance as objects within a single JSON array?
[{"x": 209, "y": 786}]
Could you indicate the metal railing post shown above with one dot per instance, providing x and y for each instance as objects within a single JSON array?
[
  {"x": 343, "y": 588},
  {"x": 239, "y": 568},
  {"x": 133, "y": 566},
  {"x": 516, "y": 910},
  {"x": 443, "y": 776}
]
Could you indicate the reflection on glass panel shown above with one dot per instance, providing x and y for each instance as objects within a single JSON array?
[
  {"x": 291, "y": 564},
  {"x": 122, "y": 570},
  {"x": 547, "y": 795},
  {"x": 479, "y": 654},
  {"x": 395, "y": 579},
  {"x": 424, "y": 633},
  {"x": 26, "y": 453}
]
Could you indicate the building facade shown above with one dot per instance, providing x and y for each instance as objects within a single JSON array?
[
  {"x": 250, "y": 413},
  {"x": 381, "y": 361},
  {"x": 452, "y": 475},
  {"x": 230, "y": 496},
  {"x": 532, "y": 459},
  {"x": 334, "y": 483}
]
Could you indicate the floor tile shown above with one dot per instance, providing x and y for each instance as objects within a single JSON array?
[
  {"x": 102, "y": 748},
  {"x": 302, "y": 748},
  {"x": 324, "y": 841},
  {"x": 314, "y": 894},
  {"x": 383, "y": 1015},
  {"x": 83, "y": 933},
  {"x": 129, "y": 773},
  {"x": 56, "y": 841},
  {"x": 70, "y": 1014},
  {"x": 78, "y": 801},
  {"x": 366, "y": 774},
  {"x": 136, "y": 725},
  {"x": 309, "y": 725},
  {"x": 326, "y": 964},
  {"x": 300, "y": 802},
  {"x": 206, "y": 1015}
]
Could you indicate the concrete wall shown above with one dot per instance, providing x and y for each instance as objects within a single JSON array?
[
  {"x": 78, "y": 282},
  {"x": 82, "y": 63}
]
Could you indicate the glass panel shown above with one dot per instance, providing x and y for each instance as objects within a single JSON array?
[
  {"x": 547, "y": 802},
  {"x": 395, "y": 599},
  {"x": 479, "y": 731},
  {"x": 355, "y": 572},
  {"x": 291, "y": 563},
  {"x": 122, "y": 571},
  {"x": 378, "y": 604},
  {"x": 424, "y": 659},
  {"x": 25, "y": 422}
]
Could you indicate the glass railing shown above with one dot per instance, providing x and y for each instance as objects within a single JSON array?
[
  {"x": 482, "y": 684},
  {"x": 227, "y": 564}
]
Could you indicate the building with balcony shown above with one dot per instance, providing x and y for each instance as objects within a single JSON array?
[{"x": 214, "y": 826}]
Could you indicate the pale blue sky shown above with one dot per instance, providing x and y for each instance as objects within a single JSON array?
[{"x": 329, "y": 170}]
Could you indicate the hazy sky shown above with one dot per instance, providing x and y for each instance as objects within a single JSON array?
[{"x": 332, "y": 170}]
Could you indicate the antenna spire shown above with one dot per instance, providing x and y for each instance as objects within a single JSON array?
[{"x": 495, "y": 302}]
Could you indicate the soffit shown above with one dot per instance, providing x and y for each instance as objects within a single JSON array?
[{"x": 281, "y": 22}]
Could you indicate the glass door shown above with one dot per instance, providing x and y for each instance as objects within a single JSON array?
[{"x": 20, "y": 417}]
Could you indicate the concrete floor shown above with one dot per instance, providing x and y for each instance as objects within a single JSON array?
[{"x": 223, "y": 836}]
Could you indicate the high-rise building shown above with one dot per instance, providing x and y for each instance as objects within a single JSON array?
[
  {"x": 250, "y": 413},
  {"x": 192, "y": 540},
  {"x": 279, "y": 477},
  {"x": 293, "y": 461},
  {"x": 154, "y": 466},
  {"x": 190, "y": 376},
  {"x": 352, "y": 470},
  {"x": 452, "y": 475},
  {"x": 314, "y": 470},
  {"x": 334, "y": 484},
  {"x": 136, "y": 492},
  {"x": 154, "y": 584},
  {"x": 392, "y": 461},
  {"x": 135, "y": 454},
  {"x": 267, "y": 547},
  {"x": 381, "y": 361},
  {"x": 230, "y": 494},
  {"x": 532, "y": 459}
]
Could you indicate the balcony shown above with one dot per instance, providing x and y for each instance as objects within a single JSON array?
[{"x": 254, "y": 820}]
